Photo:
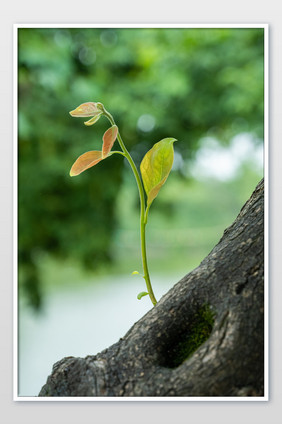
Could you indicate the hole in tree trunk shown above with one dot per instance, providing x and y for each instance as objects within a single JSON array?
[{"x": 184, "y": 342}]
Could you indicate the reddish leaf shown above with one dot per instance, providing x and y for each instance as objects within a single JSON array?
[
  {"x": 85, "y": 161},
  {"x": 85, "y": 109},
  {"x": 108, "y": 140}
]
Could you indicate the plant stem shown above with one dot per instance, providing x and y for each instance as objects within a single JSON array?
[{"x": 143, "y": 217}]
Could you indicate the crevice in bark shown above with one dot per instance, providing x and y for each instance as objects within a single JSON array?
[{"x": 182, "y": 341}]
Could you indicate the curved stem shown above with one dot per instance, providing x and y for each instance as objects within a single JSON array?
[{"x": 143, "y": 216}]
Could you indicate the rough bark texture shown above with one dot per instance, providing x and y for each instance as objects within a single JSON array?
[{"x": 219, "y": 304}]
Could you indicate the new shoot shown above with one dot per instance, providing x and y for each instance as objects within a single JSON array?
[{"x": 155, "y": 168}]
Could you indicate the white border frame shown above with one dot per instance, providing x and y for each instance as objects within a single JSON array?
[{"x": 15, "y": 217}]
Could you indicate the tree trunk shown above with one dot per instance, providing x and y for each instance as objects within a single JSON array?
[{"x": 205, "y": 337}]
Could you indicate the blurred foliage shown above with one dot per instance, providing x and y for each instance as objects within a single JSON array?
[{"x": 157, "y": 83}]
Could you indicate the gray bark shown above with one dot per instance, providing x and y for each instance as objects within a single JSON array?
[{"x": 219, "y": 304}]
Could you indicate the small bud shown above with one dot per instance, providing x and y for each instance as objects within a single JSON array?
[
  {"x": 142, "y": 294},
  {"x": 100, "y": 106}
]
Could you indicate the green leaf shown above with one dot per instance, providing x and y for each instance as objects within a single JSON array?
[
  {"x": 85, "y": 161},
  {"x": 155, "y": 168},
  {"x": 108, "y": 140},
  {"x": 141, "y": 294}
]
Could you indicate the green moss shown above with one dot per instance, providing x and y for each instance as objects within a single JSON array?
[{"x": 198, "y": 332}]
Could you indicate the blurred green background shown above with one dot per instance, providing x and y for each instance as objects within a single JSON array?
[{"x": 202, "y": 86}]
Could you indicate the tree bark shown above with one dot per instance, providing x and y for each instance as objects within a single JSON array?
[{"x": 204, "y": 338}]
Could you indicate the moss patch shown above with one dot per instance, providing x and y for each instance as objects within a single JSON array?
[{"x": 199, "y": 330}]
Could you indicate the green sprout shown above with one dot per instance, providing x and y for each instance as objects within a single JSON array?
[{"x": 155, "y": 168}]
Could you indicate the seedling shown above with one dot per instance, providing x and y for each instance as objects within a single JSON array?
[{"x": 155, "y": 168}]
